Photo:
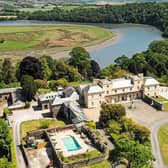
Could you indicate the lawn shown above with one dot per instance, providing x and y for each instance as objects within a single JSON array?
[
  {"x": 17, "y": 38},
  {"x": 13, "y": 152},
  {"x": 38, "y": 124},
  {"x": 162, "y": 100},
  {"x": 77, "y": 83},
  {"x": 104, "y": 164},
  {"x": 163, "y": 142}
]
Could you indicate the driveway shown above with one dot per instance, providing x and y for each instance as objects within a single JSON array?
[
  {"x": 152, "y": 119},
  {"x": 16, "y": 119}
]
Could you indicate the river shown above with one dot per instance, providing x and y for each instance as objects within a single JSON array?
[{"x": 132, "y": 39}]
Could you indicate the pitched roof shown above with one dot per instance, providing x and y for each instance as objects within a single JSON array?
[
  {"x": 93, "y": 89},
  {"x": 150, "y": 81},
  {"x": 121, "y": 83}
]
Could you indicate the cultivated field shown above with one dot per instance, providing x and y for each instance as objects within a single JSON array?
[{"x": 16, "y": 40}]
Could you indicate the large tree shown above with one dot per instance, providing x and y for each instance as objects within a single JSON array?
[
  {"x": 30, "y": 66},
  {"x": 111, "y": 112},
  {"x": 29, "y": 87},
  {"x": 95, "y": 68},
  {"x": 8, "y": 72},
  {"x": 133, "y": 154},
  {"x": 80, "y": 59}
]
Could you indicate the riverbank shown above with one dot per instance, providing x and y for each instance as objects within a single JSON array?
[
  {"x": 53, "y": 40},
  {"x": 93, "y": 47}
]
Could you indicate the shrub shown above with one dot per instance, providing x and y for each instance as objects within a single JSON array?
[
  {"x": 27, "y": 104},
  {"x": 91, "y": 124},
  {"x": 44, "y": 125},
  {"x": 41, "y": 84},
  {"x": 2, "y": 41}
]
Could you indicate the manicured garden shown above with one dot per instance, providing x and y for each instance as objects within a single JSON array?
[
  {"x": 39, "y": 124},
  {"x": 162, "y": 100},
  {"x": 163, "y": 142}
]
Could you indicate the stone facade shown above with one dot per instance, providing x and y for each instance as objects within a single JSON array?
[{"x": 118, "y": 90}]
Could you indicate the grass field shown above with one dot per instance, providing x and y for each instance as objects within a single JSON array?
[
  {"x": 37, "y": 124},
  {"x": 163, "y": 142},
  {"x": 32, "y": 38}
]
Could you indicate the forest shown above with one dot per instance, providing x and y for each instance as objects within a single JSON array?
[{"x": 155, "y": 14}]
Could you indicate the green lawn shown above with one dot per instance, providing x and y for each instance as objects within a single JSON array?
[
  {"x": 37, "y": 124},
  {"x": 77, "y": 83},
  {"x": 160, "y": 99},
  {"x": 163, "y": 142},
  {"x": 104, "y": 164},
  {"x": 13, "y": 152},
  {"x": 50, "y": 36}
]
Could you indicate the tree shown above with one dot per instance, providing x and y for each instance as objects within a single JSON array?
[
  {"x": 80, "y": 59},
  {"x": 5, "y": 139},
  {"x": 111, "y": 112},
  {"x": 29, "y": 87},
  {"x": 133, "y": 154},
  {"x": 8, "y": 75},
  {"x": 95, "y": 68},
  {"x": 30, "y": 66},
  {"x": 41, "y": 84},
  {"x": 45, "y": 68},
  {"x": 4, "y": 163}
]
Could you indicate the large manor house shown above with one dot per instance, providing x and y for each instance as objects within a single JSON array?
[{"x": 118, "y": 90}]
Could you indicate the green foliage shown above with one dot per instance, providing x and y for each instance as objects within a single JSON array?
[
  {"x": 44, "y": 124},
  {"x": 4, "y": 163},
  {"x": 113, "y": 71},
  {"x": 91, "y": 124},
  {"x": 111, "y": 112},
  {"x": 5, "y": 139},
  {"x": 113, "y": 127},
  {"x": 30, "y": 66},
  {"x": 2, "y": 41},
  {"x": 133, "y": 154},
  {"x": 8, "y": 71},
  {"x": 62, "y": 82},
  {"x": 41, "y": 84},
  {"x": 80, "y": 59},
  {"x": 47, "y": 71},
  {"x": 29, "y": 87},
  {"x": 62, "y": 70},
  {"x": 27, "y": 104}
]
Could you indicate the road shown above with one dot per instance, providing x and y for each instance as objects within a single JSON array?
[
  {"x": 18, "y": 117},
  {"x": 152, "y": 119},
  {"x": 155, "y": 144}
]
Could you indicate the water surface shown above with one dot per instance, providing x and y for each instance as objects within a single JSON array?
[{"x": 132, "y": 39}]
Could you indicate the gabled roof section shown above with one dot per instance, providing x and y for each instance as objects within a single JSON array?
[
  {"x": 149, "y": 81},
  {"x": 121, "y": 83}
]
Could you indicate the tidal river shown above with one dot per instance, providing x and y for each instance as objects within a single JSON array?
[{"x": 131, "y": 39}]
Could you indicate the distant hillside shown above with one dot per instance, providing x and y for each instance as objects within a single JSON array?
[{"x": 77, "y": 1}]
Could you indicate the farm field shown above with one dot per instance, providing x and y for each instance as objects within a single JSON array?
[{"x": 46, "y": 37}]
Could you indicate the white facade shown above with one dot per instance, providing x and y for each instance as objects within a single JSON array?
[{"x": 118, "y": 90}]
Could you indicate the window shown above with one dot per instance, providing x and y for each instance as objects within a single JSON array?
[
  {"x": 108, "y": 86},
  {"x": 130, "y": 89},
  {"x": 148, "y": 87},
  {"x": 123, "y": 90},
  {"x": 92, "y": 96},
  {"x": 100, "y": 94},
  {"x": 92, "y": 103},
  {"x": 107, "y": 92},
  {"x": 100, "y": 102},
  {"x": 115, "y": 90},
  {"x": 155, "y": 87}
]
